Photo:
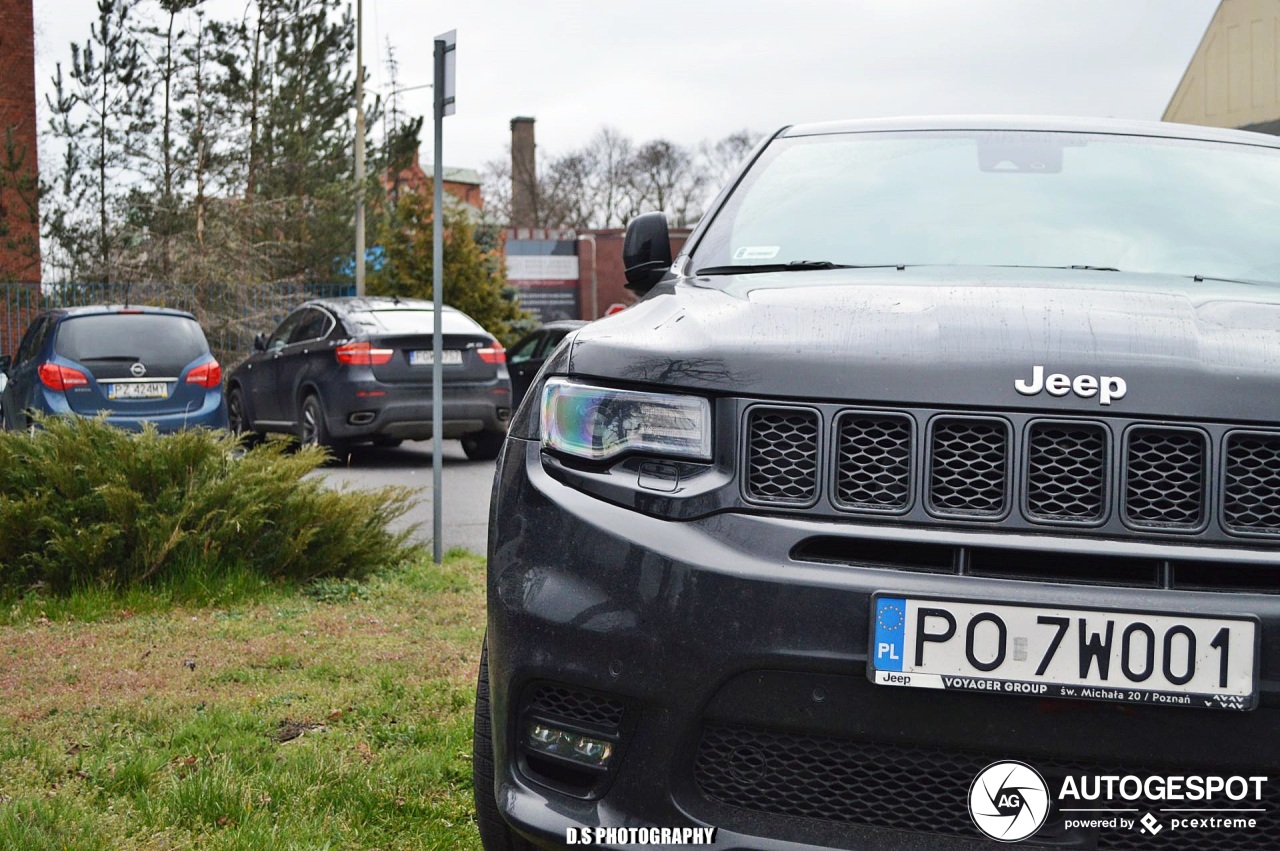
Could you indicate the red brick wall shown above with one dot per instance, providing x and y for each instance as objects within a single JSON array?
[
  {"x": 19, "y": 250},
  {"x": 611, "y": 278}
]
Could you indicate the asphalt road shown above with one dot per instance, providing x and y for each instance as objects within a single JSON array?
[{"x": 465, "y": 487}]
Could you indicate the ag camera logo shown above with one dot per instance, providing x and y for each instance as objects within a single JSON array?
[{"x": 1008, "y": 801}]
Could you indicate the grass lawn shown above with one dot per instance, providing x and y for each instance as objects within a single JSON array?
[{"x": 336, "y": 717}]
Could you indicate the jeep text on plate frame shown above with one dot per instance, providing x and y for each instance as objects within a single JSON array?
[
  {"x": 423, "y": 357},
  {"x": 1154, "y": 658}
]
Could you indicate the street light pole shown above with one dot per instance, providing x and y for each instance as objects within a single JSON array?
[{"x": 360, "y": 148}]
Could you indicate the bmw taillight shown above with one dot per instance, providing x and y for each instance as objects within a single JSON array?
[
  {"x": 206, "y": 375},
  {"x": 58, "y": 377},
  {"x": 493, "y": 354},
  {"x": 362, "y": 354}
]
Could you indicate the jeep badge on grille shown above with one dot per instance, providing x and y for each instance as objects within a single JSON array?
[{"x": 1105, "y": 387}]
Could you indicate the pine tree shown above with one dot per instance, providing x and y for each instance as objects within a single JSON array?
[
  {"x": 102, "y": 119},
  {"x": 474, "y": 279}
]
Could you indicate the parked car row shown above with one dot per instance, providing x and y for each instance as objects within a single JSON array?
[{"x": 335, "y": 372}]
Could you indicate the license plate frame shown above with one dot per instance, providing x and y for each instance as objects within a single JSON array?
[
  {"x": 1045, "y": 677},
  {"x": 425, "y": 357},
  {"x": 137, "y": 390}
]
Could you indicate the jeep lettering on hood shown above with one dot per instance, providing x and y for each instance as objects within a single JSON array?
[{"x": 1105, "y": 387}]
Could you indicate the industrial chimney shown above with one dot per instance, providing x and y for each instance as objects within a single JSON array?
[{"x": 524, "y": 174}]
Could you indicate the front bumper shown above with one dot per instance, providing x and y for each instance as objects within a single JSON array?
[{"x": 718, "y": 642}]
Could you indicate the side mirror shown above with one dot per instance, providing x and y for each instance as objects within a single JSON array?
[
  {"x": 646, "y": 251},
  {"x": 5, "y": 363},
  {"x": 260, "y": 343}
]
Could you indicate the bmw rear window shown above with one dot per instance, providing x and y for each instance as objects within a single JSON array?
[
  {"x": 140, "y": 336},
  {"x": 414, "y": 322}
]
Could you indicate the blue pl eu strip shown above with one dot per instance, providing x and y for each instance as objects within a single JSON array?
[{"x": 891, "y": 621}]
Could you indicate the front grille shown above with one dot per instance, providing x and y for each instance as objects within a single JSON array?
[
  {"x": 782, "y": 455},
  {"x": 873, "y": 470},
  {"x": 1164, "y": 483},
  {"x": 969, "y": 470},
  {"x": 919, "y": 789},
  {"x": 1251, "y": 486},
  {"x": 1066, "y": 472},
  {"x": 1108, "y": 477}
]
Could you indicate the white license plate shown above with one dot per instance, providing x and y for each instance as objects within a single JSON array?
[
  {"x": 134, "y": 390},
  {"x": 423, "y": 357},
  {"x": 1159, "y": 659}
]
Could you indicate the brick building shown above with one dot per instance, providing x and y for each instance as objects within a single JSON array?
[
  {"x": 19, "y": 218},
  {"x": 461, "y": 183}
]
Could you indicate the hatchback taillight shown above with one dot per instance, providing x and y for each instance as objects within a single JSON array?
[
  {"x": 206, "y": 375},
  {"x": 58, "y": 377},
  {"x": 493, "y": 354},
  {"x": 362, "y": 354}
]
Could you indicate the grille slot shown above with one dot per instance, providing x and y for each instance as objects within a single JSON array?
[
  {"x": 571, "y": 704},
  {"x": 1165, "y": 476},
  {"x": 782, "y": 455},
  {"x": 968, "y": 471},
  {"x": 1066, "y": 479},
  {"x": 879, "y": 785},
  {"x": 873, "y": 458},
  {"x": 1251, "y": 483},
  {"x": 895, "y": 555}
]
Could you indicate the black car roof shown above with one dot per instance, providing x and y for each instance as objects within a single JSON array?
[
  {"x": 92, "y": 309},
  {"x": 359, "y": 304},
  {"x": 1062, "y": 124},
  {"x": 558, "y": 324}
]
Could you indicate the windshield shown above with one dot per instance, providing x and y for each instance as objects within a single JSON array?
[{"x": 1000, "y": 198}]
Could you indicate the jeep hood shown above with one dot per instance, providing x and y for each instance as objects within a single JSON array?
[{"x": 953, "y": 337}]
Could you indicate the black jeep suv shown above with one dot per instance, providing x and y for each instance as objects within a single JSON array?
[{"x": 942, "y": 443}]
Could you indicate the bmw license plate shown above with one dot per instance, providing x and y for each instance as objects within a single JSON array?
[
  {"x": 138, "y": 390},
  {"x": 1160, "y": 659},
  {"x": 423, "y": 357}
]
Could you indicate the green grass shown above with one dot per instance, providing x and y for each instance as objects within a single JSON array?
[{"x": 337, "y": 718}]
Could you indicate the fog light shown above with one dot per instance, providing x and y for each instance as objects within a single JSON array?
[{"x": 562, "y": 743}]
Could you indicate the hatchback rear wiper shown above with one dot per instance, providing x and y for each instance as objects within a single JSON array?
[{"x": 793, "y": 266}]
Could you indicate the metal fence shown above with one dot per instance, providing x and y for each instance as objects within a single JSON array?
[{"x": 230, "y": 315}]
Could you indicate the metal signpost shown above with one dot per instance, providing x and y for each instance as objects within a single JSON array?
[{"x": 444, "y": 82}]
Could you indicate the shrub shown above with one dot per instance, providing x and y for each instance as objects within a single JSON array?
[{"x": 85, "y": 504}]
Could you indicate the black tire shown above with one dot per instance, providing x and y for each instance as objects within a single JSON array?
[
  {"x": 495, "y": 833},
  {"x": 312, "y": 430},
  {"x": 238, "y": 419},
  {"x": 483, "y": 445}
]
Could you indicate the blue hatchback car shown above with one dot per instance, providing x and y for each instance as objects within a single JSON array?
[{"x": 133, "y": 364}]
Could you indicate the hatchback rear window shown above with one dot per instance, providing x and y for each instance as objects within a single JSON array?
[
  {"x": 138, "y": 336},
  {"x": 414, "y": 322}
]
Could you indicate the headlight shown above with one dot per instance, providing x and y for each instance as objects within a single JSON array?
[{"x": 599, "y": 423}]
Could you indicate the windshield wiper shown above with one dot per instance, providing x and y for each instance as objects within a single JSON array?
[{"x": 793, "y": 266}]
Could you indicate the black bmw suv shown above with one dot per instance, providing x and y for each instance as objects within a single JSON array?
[
  {"x": 944, "y": 445},
  {"x": 349, "y": 370}
]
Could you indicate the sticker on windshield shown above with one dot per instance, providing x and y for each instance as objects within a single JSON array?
[{"x": 757, "y": 252}]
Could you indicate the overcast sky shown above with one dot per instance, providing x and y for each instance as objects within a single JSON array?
[{"x": 701, "y": 69}]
